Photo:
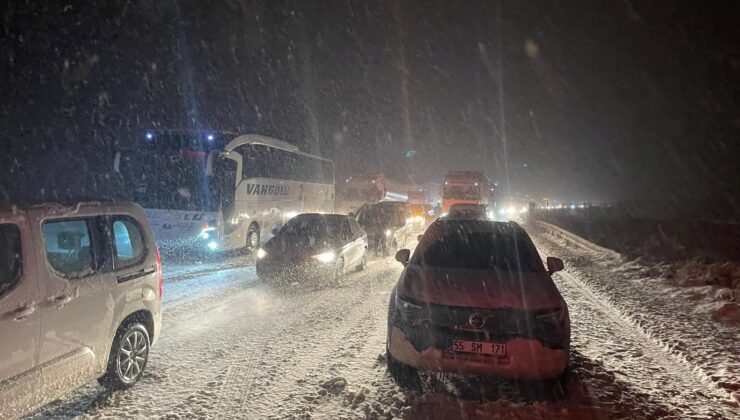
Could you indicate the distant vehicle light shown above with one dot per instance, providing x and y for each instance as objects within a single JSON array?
[
  {"x": 261, "y": 254},
  {"x": 210, "y": 137},
  {"x": 491, "y": 215},
  {"x": 476, "y": 184},
  {"x": 572, "y": 206},
  {"x": 326, "y": 257},
  {"x": 502, "y": 211},
  {"x": 213, "y": 245},
  {"x": 524, "y": 209},
  {"x": 149, "y": 136},
  {"x": 388, "y": 232},
  {"x": 511, "y": 210}
]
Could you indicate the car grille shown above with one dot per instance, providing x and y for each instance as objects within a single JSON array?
[{"x": 437, "y": 325}]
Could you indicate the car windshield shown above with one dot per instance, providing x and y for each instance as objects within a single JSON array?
[
  {"x": 309, "y": 233},
  {"x": 376, "y": 216},
  {"x": 478, "y": 246}
]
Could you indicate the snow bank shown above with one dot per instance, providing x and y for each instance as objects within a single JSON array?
[{"x": 700, "y": 259}]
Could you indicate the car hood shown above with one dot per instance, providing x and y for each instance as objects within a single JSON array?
[{"x": 479, "y": 288}]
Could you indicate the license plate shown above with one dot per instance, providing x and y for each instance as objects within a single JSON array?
[{"x": 479, "y": 347}]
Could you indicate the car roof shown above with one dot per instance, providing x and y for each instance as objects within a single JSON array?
[{"x": 71, "y": 209}]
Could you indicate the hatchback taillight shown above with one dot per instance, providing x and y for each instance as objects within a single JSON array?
[{"x": 159, "y": 275}]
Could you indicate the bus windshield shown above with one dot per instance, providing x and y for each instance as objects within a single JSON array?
[{"x": 169, "y": 181}]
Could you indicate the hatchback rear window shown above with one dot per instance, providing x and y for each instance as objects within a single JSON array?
[
  {"x": 10, "y": 256},
  {"x": 464, "y": 246},
  {"x": 128, "y": 240}
]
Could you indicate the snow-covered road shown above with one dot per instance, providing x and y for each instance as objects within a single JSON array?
[{"x": 232, "y": 347}]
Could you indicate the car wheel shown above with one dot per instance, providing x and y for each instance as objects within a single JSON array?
[
  {"x": 404, "y": 376},
  {"x": 252, "y": 240},
  {"x": 128, "y": 357},
  {"x": 363, "y": 262},
  {"x": 339, "y": 271}
]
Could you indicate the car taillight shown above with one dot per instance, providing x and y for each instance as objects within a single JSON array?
[{"x": 159, "y": 275}]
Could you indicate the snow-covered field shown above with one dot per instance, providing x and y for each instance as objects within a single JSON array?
[{"x": 232, "y": 347}]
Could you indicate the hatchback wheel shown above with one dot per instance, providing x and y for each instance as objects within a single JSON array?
[
  {"x": 128, "y": 357},
  {"x": 363, "y": 262},
  {"x": 339, "y": 271}
]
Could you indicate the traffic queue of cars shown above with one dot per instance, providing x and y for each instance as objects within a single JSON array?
[
  {"x": 81, "y": 293},
  {"x": 474, "y": 298}
]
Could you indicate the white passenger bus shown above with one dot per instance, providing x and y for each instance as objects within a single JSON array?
[{"x": 217, "y": 192}]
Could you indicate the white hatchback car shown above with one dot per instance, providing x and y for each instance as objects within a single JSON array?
[{"x": 80, "y": 299}]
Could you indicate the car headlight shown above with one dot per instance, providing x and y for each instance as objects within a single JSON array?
[
  {"x": 406, "y": 305},
  {"x": 325, "y": 257},
  {"x": 261, "y": 253},
  {"x": 388, "y": 233}
]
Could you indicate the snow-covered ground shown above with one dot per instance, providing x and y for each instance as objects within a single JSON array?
[{"x": 232, "y": 347}]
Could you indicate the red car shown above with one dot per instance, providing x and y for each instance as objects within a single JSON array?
[{"x": 475, "y": 298}]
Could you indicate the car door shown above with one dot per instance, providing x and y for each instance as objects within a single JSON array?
[
  {"x": 360, "y": 237},
  {"x": 19, "y": 319},
  {"x": 348, "y": 245},
  {"x": 129, "y": 258},
  {"x": 77, "y": 309}
]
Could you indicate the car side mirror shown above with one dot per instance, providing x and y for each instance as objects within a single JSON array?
[
  {"x": 554, "y": 264},
  {"x": 418, "y": 237},
  {"x": 403, "y": 255}
]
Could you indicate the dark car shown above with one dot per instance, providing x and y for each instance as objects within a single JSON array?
[
  {"x": 389, "y": 225},
  {"x": 475, "y": 298},
  {"x": 313, "y": 247}
]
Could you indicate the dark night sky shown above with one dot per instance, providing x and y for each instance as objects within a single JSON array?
[{"x": 603, "y": 100}]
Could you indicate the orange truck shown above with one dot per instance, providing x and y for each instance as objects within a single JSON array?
[{"x": 469, "y": 187}]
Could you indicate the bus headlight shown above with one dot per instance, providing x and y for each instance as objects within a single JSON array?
[
  {"x": 325, "y": 257},
  {"x": 205, "y": 233},
  {"x": 261, "y": 254}
]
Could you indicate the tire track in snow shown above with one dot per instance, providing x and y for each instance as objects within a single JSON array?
[
  {"x": 671, "y": 363},
  {"x": 258, "y": 389}
]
